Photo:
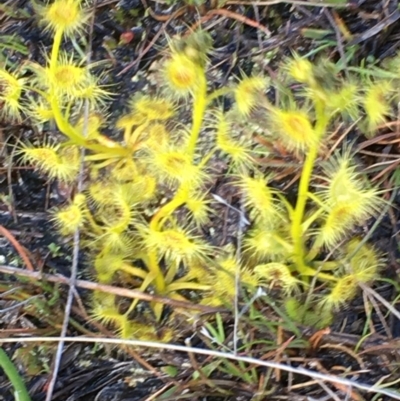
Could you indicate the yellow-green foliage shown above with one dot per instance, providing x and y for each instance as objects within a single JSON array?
[{"x": 137, "y": 183}]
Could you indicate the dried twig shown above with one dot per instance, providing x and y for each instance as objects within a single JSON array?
[
  {"x": 294, "y": 2},
  {"x": 18, "y": 247},
  {"x": 232, "y": 15},
  {"x": 377, "y": 296},
  {"x": 123, "y": 292},
  {"x": 336, "y": 380}
]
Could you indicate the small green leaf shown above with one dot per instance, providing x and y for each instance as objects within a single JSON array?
[
  {"x": 170, "y": 370},
  {"x": 317, "y": 34}
]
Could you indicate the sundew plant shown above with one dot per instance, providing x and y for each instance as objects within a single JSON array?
[{"x": 147, "y": 195}]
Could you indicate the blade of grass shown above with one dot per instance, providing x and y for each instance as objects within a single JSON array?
[{"x": 20, "y": 391}]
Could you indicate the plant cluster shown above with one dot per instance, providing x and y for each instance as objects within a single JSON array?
[{"x": 146, "y": 193}]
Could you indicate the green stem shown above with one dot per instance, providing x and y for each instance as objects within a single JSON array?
[
  {"x": 146, "y": 282},
  {"x": 133, "y": 271},
  {"x": 298, "y": 214},
  {"x": 189, "y": 285},
  {"x": 20, "y": 391},
  {"x": 95, "y": 227},
  {"x": 56, "y": 49},
  {"x": 315, "y": 248},
  {"x": 199, "y": 109},
  {"x": 217, "y": 93},
  {"x": 63, "y": 125},
  {"x": 296, "y": 228},
  {"x": 178, "y": 200},
  {"x": 154, "y": 269},
  {"x": 322, "y": 276}
]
